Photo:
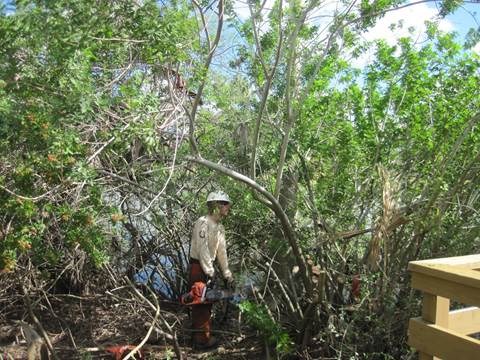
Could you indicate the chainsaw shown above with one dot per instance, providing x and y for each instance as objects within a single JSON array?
[{"x": 201, "y": 293}]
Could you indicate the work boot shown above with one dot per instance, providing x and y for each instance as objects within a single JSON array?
[{"x": 211, "y": 343}]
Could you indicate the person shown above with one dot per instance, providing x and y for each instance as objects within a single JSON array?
[{"x": 207, "y": 245}]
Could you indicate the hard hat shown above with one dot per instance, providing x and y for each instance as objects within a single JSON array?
[{"x": 218, "y": 196}]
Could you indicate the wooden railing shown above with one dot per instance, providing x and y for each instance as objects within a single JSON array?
[{"x": 440, "y": 333}]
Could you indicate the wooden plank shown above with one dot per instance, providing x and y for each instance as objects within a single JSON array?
[
  {"x": 468, "y": 261},
  {"x": 435, "y": 309},
  {"x": 443, "y": 343},
  {"x": 465, "y": 321},
  {"x": 451, "y": 273},
  {"x": 423, "y": 356},
  {"x": 455, "y": 291}
]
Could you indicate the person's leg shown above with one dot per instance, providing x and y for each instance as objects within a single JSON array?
[
  {"x": 201, "y": 323},
  {"x": 201, "y": 314}
]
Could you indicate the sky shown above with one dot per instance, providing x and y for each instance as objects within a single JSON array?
[
  {"x": 415, "y": 16},
  {"x": 464, "y": 18}
]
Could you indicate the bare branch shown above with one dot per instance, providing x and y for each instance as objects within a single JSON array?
[
  {"x": 193, "y": 113},
  {"x": 265, "y": 93}
]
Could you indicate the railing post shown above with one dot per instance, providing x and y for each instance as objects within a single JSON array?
[{"x": 435, "y": 310}]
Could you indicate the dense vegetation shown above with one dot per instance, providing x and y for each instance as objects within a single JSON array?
[{"x": 117, "y": 118}]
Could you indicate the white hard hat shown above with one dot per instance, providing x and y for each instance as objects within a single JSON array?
[{"x": 218, "y": 196}]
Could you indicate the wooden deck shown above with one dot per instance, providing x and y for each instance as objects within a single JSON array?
[{"x": 440, "y": 333}]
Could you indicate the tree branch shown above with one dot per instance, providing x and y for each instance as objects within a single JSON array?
[
  {"x": 274, "y": 205},
  {"x": 196, "y": 102}
]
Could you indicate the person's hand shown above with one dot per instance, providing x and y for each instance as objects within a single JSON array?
[
  {"x": 230, "y": 283},
  {"x": 210, "y": 282}
]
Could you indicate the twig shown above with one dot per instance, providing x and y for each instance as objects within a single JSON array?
[
  {"x": 193, "y": 113},
  {"x": 118, "y": 39},
  {"x": 147, "y": 336},
  {"x": 293, "y": 308},
  {"x": 29, "y": 198},
  {"x": 115, "y": 176},
  {"x": 173, "y": 337},
  {"x": 37, "y": 322},
  {"x": 71, "y": 338},
  {"x": 94, "y": 155},
  {"x": 122, "y": 74},
  {"x": 172, "y": 168}
]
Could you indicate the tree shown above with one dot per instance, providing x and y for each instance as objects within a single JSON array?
[
  {"x": 347, "y": 167},
  {"x": 87, "y": 104},
  {"x": 347, "y": 133}
]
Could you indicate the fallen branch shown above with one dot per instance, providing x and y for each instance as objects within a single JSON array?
[
  {"x": 37, "y": 322},
  {"x": 152, "y": 327}
]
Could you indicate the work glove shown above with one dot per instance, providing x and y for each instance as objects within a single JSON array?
[{"x": 210, "y": 282}]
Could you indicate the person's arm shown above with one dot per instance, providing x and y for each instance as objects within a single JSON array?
[
  {"x": 222, "y": 254},
  {"x": 206, "y": 261}
]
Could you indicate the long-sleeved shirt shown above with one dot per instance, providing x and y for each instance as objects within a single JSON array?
[{"x": 208, "y": 244}]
